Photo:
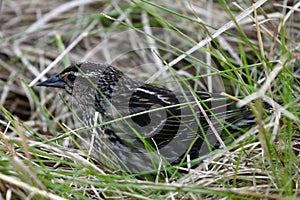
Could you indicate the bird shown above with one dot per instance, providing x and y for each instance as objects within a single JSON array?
[{"x": 136, "y": 127}]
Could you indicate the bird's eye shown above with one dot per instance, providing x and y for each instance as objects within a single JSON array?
[{"x": 71, "y": 77}]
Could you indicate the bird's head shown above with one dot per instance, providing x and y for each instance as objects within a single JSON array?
[
  {"x": 82, "y": 75},
  {"x": 65, "y": 79}
]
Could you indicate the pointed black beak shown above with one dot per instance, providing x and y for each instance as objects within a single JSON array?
[{"x": 54, "y": 81}]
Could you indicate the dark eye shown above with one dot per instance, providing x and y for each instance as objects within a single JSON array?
[{"x": 71, "y": 77}]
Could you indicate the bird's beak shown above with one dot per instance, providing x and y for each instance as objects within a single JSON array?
[{"x": 54, "y": 81}]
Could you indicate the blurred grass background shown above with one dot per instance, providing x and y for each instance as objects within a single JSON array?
[{"x": 251, "y": 51}]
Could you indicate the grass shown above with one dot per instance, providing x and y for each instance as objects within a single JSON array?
[{"x": 247, "y": 51}]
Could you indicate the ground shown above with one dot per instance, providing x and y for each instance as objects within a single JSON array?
[{"x": 250, "y": 51}]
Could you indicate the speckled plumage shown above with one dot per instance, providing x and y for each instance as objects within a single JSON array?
[{"x": 136, "y": 135}]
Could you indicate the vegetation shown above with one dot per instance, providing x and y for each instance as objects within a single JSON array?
[{"x": 250, "y": 51}]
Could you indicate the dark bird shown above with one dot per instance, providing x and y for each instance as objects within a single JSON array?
[{"x": 133, "y": 126}]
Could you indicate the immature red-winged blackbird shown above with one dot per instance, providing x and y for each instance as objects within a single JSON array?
[{"x": 136, "y": 126}]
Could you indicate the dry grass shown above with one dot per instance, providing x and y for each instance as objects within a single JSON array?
[{"x": 259, "y": 55}]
